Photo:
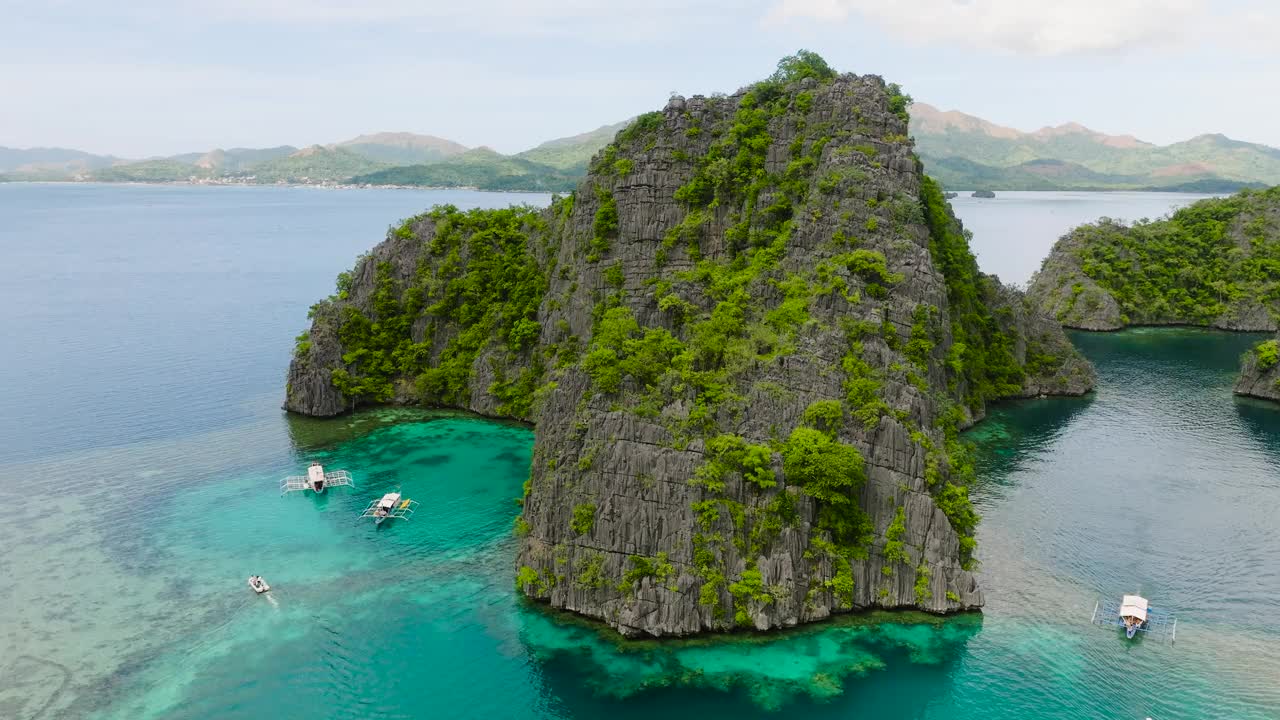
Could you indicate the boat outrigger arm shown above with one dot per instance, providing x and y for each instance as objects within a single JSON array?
[
  {"x": 389, "y": 506},
  {"x": 316, "y": 480},
  {"x": 1134, "y": 614}
]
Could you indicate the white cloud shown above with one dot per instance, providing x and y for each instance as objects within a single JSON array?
[{"x": 1043, "y": 27}]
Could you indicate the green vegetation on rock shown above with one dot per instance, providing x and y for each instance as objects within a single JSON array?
[
  {"x": 584, "y": 518},
  {"x": 828, "y": 470},
  {"x": 658, "y": 568},
  {"x": 1267, "y": 353},
  {"x": 478, "y": 274},
  {"x": 894, "y": 550}
]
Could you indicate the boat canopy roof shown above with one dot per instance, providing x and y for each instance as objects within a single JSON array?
[
  {"x": 1133, "y": 606},
  {"x": 315, "y": 473},
  {"x": 389, "y": 500}
]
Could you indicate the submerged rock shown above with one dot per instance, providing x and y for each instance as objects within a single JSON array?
[
  {"x": 1215, "y": 263},
  {"x": 748, "y": 342}
]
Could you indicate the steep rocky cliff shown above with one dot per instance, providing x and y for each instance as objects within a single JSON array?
[
  {"x": 1215, "y": 263},
  {"x": 1260, "y": 371},
  {"x": 748, "y": 341}
]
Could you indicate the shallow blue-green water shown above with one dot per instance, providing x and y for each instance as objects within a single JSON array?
[{"x": 142, "y": 450}]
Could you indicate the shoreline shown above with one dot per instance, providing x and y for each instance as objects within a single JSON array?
[
  {"x": 316, "y": 186},
  {"x": 1170, "y": 325}
]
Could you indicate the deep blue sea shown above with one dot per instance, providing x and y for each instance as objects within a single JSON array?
[{"x": 146, "y": 334}]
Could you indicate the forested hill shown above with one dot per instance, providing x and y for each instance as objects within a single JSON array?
[
  {"x": 963, "y": 151},
  {"x": 1215, "y": 263},
  {"x": 480, "y": 168}
]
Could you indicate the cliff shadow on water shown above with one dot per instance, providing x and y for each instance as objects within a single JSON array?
[
  {"x": 309, "y": 434},
  {"x": 748, "y": 342},
  {"x": 1262, "y": 421},
  {"x": 756, "y": 674},
  {"x": 1016, "y": 434}
]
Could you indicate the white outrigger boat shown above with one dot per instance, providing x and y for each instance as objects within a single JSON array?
[
  {"x": 389, "y": 506},
  {"x": 1135, "y": 614},
  {"x": 316, "y": 480},
  {"x": 258, "y": 584}
]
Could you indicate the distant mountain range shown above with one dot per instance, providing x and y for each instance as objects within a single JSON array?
[
  {"x": 51, "y": 162},
  {"x": 387, "y": 158},
  {"x": 961, "y": 151}
]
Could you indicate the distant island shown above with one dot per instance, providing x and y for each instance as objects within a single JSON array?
[
  {"x": 1215, "y": 263},
  {"x": 959, "y": 150},
  {"x": 983, "y": 194}
]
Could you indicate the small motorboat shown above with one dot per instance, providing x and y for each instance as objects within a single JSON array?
[
  {"x": 316, "y": 480},
  {"x": 1135, "y": 614},
  {"x": 315, "y": 477},
  {"x": 258, "y": 584},
  {"x": 389, "y": 506}
]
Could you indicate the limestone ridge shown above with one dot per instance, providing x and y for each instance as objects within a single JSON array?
[
  {"x": 1215, "y": 263},
  {"x": 748, "y": 342}
]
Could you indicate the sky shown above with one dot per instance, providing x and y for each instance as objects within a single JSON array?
[{"x": 156, "y": 77}]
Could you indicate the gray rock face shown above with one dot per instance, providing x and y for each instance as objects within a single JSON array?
[
  {"x": 619, "y": 522},
  {"x": 1259, "y": 378},
  {"x": 309, "y": 389},
  {"x": 1062, "y": 291}
]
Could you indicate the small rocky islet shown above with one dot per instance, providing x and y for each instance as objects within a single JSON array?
[
  {"x": 747, "y": 341},
  {"x": 1213, "y": 264}
]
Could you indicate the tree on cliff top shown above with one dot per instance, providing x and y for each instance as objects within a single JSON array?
[{"x": 804, "y": 64}]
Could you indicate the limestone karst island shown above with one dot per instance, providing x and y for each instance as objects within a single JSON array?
[
  {"x": 748, "y": 342},
  {"x": 670, "y": 372}
]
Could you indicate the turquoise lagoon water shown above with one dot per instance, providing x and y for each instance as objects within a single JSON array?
[{"x": 143, "y": 446}]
